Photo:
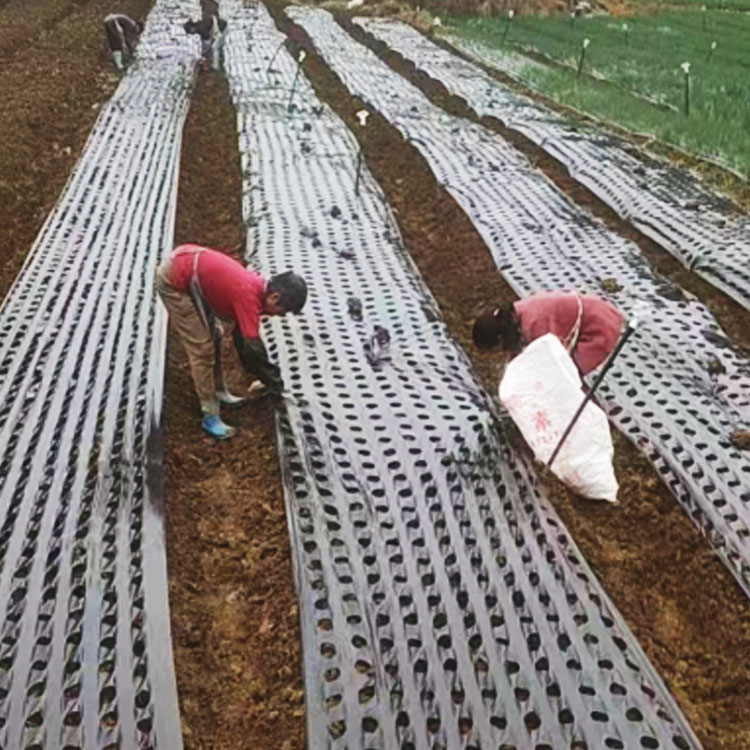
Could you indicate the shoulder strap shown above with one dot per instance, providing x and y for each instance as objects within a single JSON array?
[
  {"x": 196, "y": 293},
  {"x": 575, "y": 331}
]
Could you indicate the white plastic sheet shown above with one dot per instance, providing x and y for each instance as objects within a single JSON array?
[{"x": 541, "y": 389}]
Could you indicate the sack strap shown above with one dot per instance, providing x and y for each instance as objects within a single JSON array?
[
  {"x": 575, "y": 332},
  {"x": 196, "y": 293}
]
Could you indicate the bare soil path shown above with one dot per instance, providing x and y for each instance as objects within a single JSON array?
[{"x": 234, "y": 613}]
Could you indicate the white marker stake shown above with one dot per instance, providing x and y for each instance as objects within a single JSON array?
[
  {"x": 300, "y": 59},
  {"x": 362, "y": 116},
  {"x": 511, "y": 13},
  {"x": 686, "y": 70},
  {"x": 584, "y": 46}
]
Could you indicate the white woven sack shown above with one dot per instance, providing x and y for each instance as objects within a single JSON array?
[{"x": 541, "y": 389}]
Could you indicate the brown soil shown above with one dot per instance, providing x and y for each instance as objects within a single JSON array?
[
  {"x": 680, "y": 601},
  {"x": 234, "y": 615},
  {"x": 234, "y": 612},
  {"x": 54, "y": 76}
]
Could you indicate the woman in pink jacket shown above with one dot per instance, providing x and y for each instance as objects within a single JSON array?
[{"x": 589, "y": 327}]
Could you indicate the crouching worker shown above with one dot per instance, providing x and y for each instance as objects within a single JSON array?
[
  {"x": 122, "y": 37},
  {"x": 199, "y": 286},
  {"x": 588, "y": 327}
]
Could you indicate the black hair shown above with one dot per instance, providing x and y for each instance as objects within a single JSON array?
[
  {"x": 497, "y": 326},
  {"x": 291, "y": 288}
]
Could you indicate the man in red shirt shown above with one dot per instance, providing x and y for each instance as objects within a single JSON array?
[
  {"x": 199, "y": 285},
  {"x": 589, "y": 327}
]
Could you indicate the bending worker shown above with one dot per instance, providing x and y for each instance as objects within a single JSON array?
[
  {"x": 122, "y": 37},
  {"x": 199, "y": 285},
  {"x": 588, "y": 327},
  {"x": 210, "y": 30}
]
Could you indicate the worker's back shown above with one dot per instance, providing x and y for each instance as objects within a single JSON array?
[
  {"x": 558, "y": 313},
  {"x": 231, "y": 291}
]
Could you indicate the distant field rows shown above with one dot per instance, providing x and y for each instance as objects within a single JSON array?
[{"x": 644, "y": 55}]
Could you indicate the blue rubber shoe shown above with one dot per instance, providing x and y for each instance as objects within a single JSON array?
[{"x": 213, "y": 425}]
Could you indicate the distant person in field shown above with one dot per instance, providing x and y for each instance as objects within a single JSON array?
[
  {"x": 201, "y": 287},
  {"x": 589, "y": 327},
  {"x": 122, "y": 37},
  {"x": 210, "y": 29}
]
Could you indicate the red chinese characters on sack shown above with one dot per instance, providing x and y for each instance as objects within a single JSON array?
[
  {"x": 541, "y": 421},
  {"x": 545, "y": 433}
]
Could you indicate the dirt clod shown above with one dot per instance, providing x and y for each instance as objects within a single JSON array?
[
  {"x": 610, "y": 286},
  {"x": 715, "y": 367},
  {"x": 741, "y": 439}
]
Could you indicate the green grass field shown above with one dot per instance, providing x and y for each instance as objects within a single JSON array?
[
  {"x": 712, "y": 4},
  {"x": 643, "y": 55}
]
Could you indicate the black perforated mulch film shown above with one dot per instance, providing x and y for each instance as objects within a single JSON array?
[
  {"x": 443, "y": 604},
  {"x": 702, "y": 230},
  {"x": 85, "y": 654},
  {"x": 679, "y": 389}
]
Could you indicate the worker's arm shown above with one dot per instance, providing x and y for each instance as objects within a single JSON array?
[{"x": 254, "y": 358}]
